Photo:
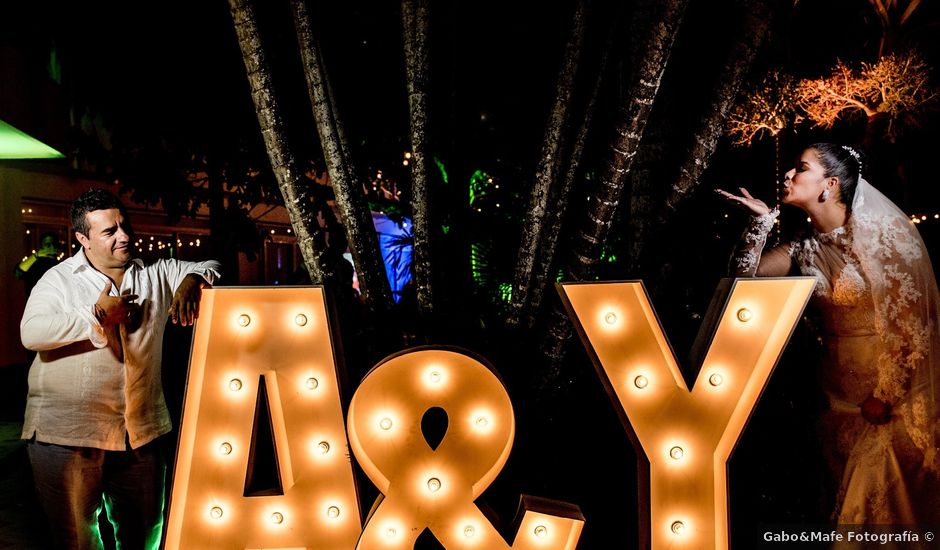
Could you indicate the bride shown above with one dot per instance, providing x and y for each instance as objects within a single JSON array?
[{"x": 877, "y": 297}]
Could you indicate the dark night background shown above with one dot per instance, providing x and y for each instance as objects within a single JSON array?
[{"x": 168, "y": 76}]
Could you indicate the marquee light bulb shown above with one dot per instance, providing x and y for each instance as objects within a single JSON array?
[
  {"x": 469, "y": 531},
  {"x": 311, "y": 383},
  {"x": 541, "y": 531},
  {"x": 745, "y": 315},
  {"x": 677, "y": 528},
  {"x": 610, "y": 318},
  {"x": 434, "y": 485},
  {"x": 324, "y": 447},
  {"x": 215, "y": 512},
  {"x": 391, "y": 533},
  {"x": 301, "y": 319},
  {"x": 435, "y": 376},
  {"x": 332, "y": 512},
  {"x": 385, "y": 423},
  {"x": 716, "y": 379},
  {"x": 641, "y": 381},
  {"x": 482, "y": 422},
  {"x": 676, "y": 453},
  {"x": 244, "y": 320},
  {"x": 277, "y": 518},
  {"x": 235, "y": 384},
  {"x": 225, "y": 448}
]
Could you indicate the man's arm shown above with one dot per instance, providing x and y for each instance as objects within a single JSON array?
[
  {"x": 49, "y": 322},
  {"x": 192, "y": 277}
]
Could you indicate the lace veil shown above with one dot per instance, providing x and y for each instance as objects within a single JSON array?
[{"x": 894, "y": 259}]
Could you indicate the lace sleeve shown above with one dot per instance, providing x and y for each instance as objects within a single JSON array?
[{"x": 748, "y": 260}]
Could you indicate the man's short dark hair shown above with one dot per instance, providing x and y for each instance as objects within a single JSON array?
[{"x": 89, "y": 201}]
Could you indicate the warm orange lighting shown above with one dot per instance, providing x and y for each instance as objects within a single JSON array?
[
  {"x": 215, "y": 444},
  {"x": 435, "y": 489},
  {"x": 670, "y": 422}
]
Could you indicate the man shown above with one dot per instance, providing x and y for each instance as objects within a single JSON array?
[{"x": 95, "y": 404}]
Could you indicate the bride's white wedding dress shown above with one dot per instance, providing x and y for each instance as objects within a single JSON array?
[{"x": 877, "y": 299}]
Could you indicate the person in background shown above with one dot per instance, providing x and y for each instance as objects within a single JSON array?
[
  {"x": 95, "y": 406},
  {"x": 40, "y": 261},
  {"x": 877, "y": 301}
]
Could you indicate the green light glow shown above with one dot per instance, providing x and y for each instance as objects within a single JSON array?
[{"x": 15, "y": 144}]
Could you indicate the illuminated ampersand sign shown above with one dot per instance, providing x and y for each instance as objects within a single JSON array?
[
  {"x": 281, "y": 337},
  {"x": 687, "y": 436},
  {"x": 435, "y": 488}
]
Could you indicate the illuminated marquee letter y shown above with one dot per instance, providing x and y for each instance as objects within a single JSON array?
[{"x": 687, "y": 436}]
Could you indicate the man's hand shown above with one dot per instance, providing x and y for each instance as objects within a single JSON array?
[
  {"x": 875, "y": 410},
  {"x": 115, "y": 310},
  {"x": 184, "y": 309}
]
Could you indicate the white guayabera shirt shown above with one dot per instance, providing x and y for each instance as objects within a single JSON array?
[{"x": 90, "y": 385}]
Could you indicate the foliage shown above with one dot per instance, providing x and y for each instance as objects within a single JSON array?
[
  {"x": 896, "y": 86},
  {"x": 767, "y": 108}
]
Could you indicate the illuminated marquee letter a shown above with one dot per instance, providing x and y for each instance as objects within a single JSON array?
[
  {"x": 687, "y": 436},
  {"x": 262, "y": 370}
]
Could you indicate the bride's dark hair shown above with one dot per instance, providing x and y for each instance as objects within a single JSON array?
[{"x": 843, "y": 162}]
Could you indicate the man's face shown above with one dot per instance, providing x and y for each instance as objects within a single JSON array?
[{"x": 108, "y": 244}]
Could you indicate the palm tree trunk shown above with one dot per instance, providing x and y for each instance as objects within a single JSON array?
[
  {"x": 353, "y": 207},
  {"x": 415, "y": 25},
  {"x": 595, "y": 227},
  {"x": 290, "y": 177},
  {"x": 706, "y": 138},
  {"x": 555, "y": 216},
  {"x": 546, "y": 176}
]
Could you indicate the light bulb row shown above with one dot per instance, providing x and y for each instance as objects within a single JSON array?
[
  {"x": 235, "y": 384},
  {"x": 216, "y": 513},
  {"x": 244, "y": 320},
  {"x": 226, "y": 448},
  {"x": 386, "y": 423},
  {"x": 642, "y": 382}
]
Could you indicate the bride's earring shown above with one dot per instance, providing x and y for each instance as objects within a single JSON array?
[{"x": 825, "y": 195}]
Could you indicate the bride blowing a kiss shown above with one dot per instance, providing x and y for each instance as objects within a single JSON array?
[{"x": 877, "y": 299}]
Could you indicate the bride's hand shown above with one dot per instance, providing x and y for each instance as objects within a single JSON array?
[{"x": 756, "y": 207}]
